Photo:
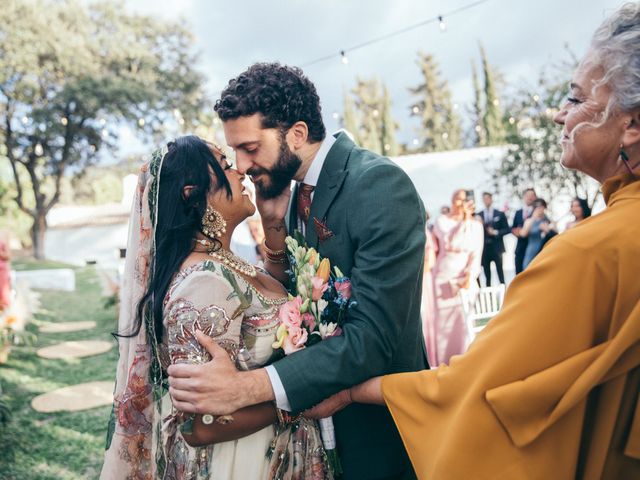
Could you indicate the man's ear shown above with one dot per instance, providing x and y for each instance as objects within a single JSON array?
[{"x": 298, "y": 135}]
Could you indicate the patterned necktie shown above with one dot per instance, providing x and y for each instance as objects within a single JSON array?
[{"x": 304, "y": 202}]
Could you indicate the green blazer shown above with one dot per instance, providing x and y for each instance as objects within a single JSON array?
[{"x": 378, "y": 225}]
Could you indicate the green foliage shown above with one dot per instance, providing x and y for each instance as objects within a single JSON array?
[
  {"x": 57, "y": 446},
  {"x": 492, "y": 124},
  {"x": 349, "y": 118},
  {"x": 71, "y": 73},
  {"x": 439, "y": 124},
  {"x": 368, "y": 117},
  {"x": 12, "y": 219},
  {"x": 534, "y": 157},
  {"x": 479, "y": 129},
  {"x": 96, "y": 186}
]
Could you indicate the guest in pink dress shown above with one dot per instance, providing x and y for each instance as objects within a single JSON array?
[
  {"x": 458, "y": 242},
  {"x": 430, "y": 251},
  {"x": 5, "y": 268}
]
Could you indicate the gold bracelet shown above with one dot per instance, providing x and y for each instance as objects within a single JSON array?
[
  {"x": 276, "y": 261},
  {"x": 272, "y": 253}
]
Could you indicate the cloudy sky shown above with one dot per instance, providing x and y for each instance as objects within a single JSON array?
[{"x": 519, "y": 36}]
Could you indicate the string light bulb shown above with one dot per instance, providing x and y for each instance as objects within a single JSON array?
[
  {"x": 345, "y": 60},
  {"x": 141, "y": 122},
  {"x": 64, "y": 121},
  {"x": 415, "y": 110},
  {"x": 38, "y": 150},
  {"x": 443, "y": 26}
]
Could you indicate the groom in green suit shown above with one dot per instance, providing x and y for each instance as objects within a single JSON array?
[{"x": 361, "y": 211}]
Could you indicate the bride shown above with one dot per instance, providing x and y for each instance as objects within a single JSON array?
[{"x": 181, "y": 277}]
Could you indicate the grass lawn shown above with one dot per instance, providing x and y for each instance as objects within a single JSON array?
[{"x": 57, "y": 446}]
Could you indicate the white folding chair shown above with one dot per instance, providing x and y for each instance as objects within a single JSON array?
[{"x": 480, "y": 306}]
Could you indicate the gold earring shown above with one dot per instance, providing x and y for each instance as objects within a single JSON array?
[{"x": 213, "y": 223}]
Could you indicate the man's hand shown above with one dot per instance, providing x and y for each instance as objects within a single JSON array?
[
  {"x": 330, "y": 405},
  {"x": 216, "y": 387}
]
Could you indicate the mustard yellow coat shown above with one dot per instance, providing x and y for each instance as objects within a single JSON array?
[{"x": 549, "y": 389}]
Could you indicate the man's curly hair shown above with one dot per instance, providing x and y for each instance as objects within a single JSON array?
[{"x": 282, "y": 94}]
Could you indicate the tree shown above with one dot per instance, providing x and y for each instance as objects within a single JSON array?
[
  {"x": 492, "y": 119},
  {"x": 376, "y": 128},
  {"x": 479, "y": 129},
  {"x": 388, "y": 126},
  {"x": 534, "y": 155},
  {"x": 70, "y": 75},
  {"x": 439, "y": 124},
  {"x": 349, "y": 118}
]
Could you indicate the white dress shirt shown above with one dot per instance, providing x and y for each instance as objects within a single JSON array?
[
  {"x": 311, "y": 178},
  {"x": 488, "y": 216}
]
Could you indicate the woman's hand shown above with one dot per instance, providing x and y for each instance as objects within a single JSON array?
[
  {"x": 273, "y": 210},
  {"x": 465, "y": 282},
  {"x": 468, "y": 209},
  {"x": 330, "y": 405}
]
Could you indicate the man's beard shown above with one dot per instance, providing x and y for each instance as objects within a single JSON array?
[{"x": 280, "y": 175}]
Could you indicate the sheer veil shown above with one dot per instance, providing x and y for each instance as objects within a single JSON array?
[{"x": 132, "y": 438}]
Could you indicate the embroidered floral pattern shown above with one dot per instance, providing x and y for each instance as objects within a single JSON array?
[{"x": 183, "y": 321}]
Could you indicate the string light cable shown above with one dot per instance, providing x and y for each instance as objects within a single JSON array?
[{"x": 342, "y": 53}]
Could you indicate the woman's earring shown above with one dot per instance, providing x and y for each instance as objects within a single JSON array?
[
  {"x": 623, "y": 154},
  {"x": 213, "y": 223},
  {"x": 625, "y": 159}
]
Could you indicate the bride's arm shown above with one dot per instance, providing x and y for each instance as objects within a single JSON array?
[{"x": 245, "y": 422}]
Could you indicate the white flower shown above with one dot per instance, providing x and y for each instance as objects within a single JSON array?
[
  {"x": 322, "y": 304},
  {"x": 292, "y": 244},
  {"x": 327, "y": 329},
  {"x": 299, "y": 255}
]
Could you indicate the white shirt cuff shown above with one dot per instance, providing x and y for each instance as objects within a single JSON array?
[{"x": 282, "y": 401}]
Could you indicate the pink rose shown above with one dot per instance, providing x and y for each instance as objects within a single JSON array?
[
  {"x": 289, "y": 313},
  {"x": 309, "y": 320},
  {"x": 344, "y": 288},
  {"x": 295, "y": 340},
  {"x": 319, "y": 287}
]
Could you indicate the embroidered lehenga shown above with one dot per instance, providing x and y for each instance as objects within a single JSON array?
[{"x": 145, "y": 438}]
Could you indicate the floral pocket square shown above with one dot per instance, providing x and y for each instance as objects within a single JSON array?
[{"x": 324, "y": 233}]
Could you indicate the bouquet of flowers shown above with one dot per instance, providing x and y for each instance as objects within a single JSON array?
[{"x": 319, "y": 299}]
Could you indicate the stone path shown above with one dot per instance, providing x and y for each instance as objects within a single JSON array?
[
  {"x": 75, "y": 398},
  {"x": 77, "y": 349},
  {"x": 64, "y": 327}
]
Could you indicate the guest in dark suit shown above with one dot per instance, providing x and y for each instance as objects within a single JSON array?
[
  {"x": 495, "y": 228},
  {"x": 518, "y": 221}
]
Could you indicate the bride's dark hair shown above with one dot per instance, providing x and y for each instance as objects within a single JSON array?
[{"x": 188, "y": 162}]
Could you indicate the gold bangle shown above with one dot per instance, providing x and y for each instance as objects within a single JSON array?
[
  {"x": 272, "y": 253},
  {"x": 276, "y": 261}
]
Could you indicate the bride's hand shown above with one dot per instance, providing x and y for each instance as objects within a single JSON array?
[
  {"x": 273, "y": 209},
  {"x": 330, "y": 405}
]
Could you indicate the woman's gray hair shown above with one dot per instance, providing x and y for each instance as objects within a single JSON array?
[{"x": 616, "y": 47}]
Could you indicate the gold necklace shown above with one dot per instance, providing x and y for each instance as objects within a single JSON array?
[
  {"x": 234, "y": 262},
  {"x": 228, "y": 259}
]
